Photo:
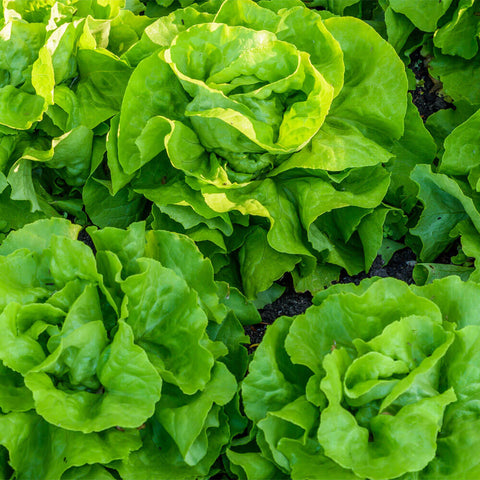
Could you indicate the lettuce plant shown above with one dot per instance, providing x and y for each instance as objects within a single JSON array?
[
  {"x": 450, "y": 192},
  {"x": 376, "y": 381},
  {"x": 263, "y": 130},
  {"x": 453, "y": 25},
  {"x": 456, "y": 55},
  {"x": 132, "y": 356},
  {"x": 61, "y": 79},
  {"x": 449, "y": 31}
]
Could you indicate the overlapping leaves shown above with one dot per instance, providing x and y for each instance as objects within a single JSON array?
[
  {"x": 450, "y": 196},
  {"x": 128, "y": 351},
  {"x": 61, "y": 80},
  {"x": 376, "y": 381},
  {"x": 271, "y": 148},
  {"x": 270, "y": 151}
]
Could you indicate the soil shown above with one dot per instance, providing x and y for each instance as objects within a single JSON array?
[
  {"x": 292, "y": 303},
  {"x": 425, "y": 96},
  {"x": 428, "y": 101},
  {"x": 84, "y": 237},
  {"x": 289, "y": 304}
]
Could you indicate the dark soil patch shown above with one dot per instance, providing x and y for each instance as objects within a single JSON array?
[
  {"x": 400, "y": 266},
  {"x": 289, "y": 304},
  {"x": 446, "y": 256},
  {"x": 293, "y": 303},
  {"x": 426, "y": 97},
  {"x": 84, "y": 237}
]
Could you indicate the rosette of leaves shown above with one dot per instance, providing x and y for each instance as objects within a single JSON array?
[
  {"x": 449, "y": 194},
  {"x": 61, "y": 79},
  {"x": 263, "y": 130},
  {"x": 131, "y": 357},
  {"x": 376, "y": 381}
]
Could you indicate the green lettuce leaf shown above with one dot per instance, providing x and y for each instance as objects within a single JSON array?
[
  {"x": 424, "y": 16},
  {"x": 374, "y": 381}
]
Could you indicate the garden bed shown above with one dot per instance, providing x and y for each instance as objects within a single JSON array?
[{"x": 170, "y": 167}]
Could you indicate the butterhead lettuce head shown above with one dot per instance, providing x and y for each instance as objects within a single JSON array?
[
  {"x": 263, "y": 129},
  {"x": 131, "y": 350},
  {"x": 376, "y": 381}
]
